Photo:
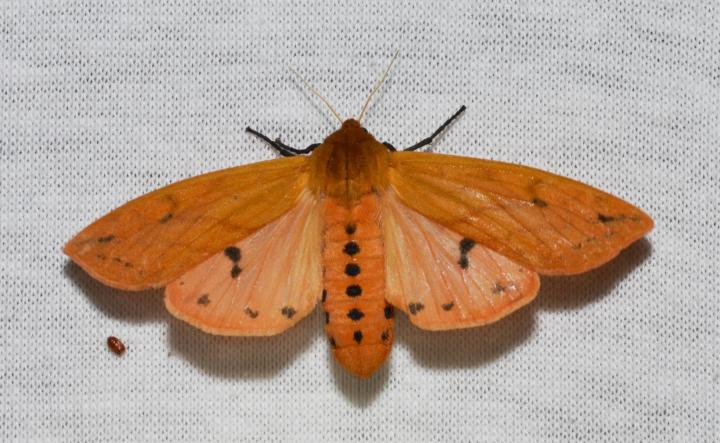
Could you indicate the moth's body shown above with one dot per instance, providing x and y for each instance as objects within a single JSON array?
[
  {"x": 349, "y": 171},
  {"x": 452, "y": 242}
]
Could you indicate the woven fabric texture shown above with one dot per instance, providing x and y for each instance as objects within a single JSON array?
[{"x": 102, "y": 101}]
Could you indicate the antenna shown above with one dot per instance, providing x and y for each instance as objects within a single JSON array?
[
  {"x": 377, "y": 86},
  {"x": 327, "y": 103}
]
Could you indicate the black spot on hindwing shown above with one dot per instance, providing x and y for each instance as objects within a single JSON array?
[
  {"x": 250, "y": 313},
  {"x": 466, "y": 244},
  {"x": 414, "y": 308},
  {"x": 288, "y": 312},
  {"x": 498, "y": 288},
  {"x": 233, "y": 253},
  {"x": 203, "y": 300},
  {"x": 448, "y": 306}
]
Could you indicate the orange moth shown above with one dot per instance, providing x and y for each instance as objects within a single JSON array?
[{"x": 453, "y": 242}]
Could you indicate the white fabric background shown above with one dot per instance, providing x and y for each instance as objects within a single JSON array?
[{"x": 101, "y": 101}]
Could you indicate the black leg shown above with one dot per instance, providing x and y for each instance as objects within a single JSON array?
[
  {"x": 442, "y": 127},
  {"x": 389, "y": 146},
  {"x": 282, "y": 148}
]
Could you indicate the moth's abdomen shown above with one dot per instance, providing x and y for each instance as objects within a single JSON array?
[{"x": 358, "y": 320}]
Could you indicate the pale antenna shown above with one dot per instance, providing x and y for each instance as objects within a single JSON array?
[
  {"x": 377, "y": 86},
  {"x": 327, "y": 103}
]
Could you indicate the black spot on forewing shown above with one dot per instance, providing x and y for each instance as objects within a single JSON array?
[
  {"x": 288, "y": 312},
  {"x": 332, "y": 342},
  {"x": 448, "y": 306},
  {"x": 605, "y": 218},
  {"x": 608, "y": 218},
  {"x": 324, "y": 295},
  {"x": 233, "y": 253},
  {"x": 350, "y": 228},
  {"x": 106, "y": 239},
  {"x": 235, "y": 271},
  {"x": 351, "y": 248},
  {"x": 415, "y": 308},
  {"x": 203, "y": 300},
  {"x": 358, "y": 336},
  {"x": 355, "y": 314},
  {"x": 385, "y": 335},
  {"x": 327, "y": 317},
  {"x": 539, "y": 203},
  {"x": 166, "y": 218},
  {"x": 250, "y": 313}
]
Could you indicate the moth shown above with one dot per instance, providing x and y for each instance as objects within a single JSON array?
[{"x": 362, "y": 228}]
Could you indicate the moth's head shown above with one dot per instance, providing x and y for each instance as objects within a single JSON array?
[{"x": 350, "y": 135}]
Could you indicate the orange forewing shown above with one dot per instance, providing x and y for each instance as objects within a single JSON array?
[
  {"x": 548, "y": 223},
  {"x": 443, "y": 281},
  {"x": 153, "y": 239}
]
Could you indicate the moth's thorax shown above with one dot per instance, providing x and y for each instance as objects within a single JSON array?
[{"x": 349, "y": 163}]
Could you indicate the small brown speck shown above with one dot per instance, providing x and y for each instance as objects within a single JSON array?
[{"x": 115, "y": 345}]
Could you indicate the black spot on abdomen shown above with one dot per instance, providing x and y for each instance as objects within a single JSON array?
[
  {"x": 351, "y": 248},
  {"x": 355, "y": 314},
  {"x": 353, "y": 290},
  {"x": 352, "y": 269},
  {"x": 389, "y": 312},
  {"x": 358, "y": 336}
]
